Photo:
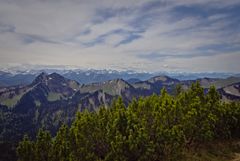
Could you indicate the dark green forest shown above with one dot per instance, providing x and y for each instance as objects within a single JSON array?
[{"x": 156, "y": 128}]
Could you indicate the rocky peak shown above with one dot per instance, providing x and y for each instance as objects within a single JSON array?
[
  {"x": 40, "y": 78},
  {"x": 162, "y": 78},
  {"x": 56, "y": 76}
]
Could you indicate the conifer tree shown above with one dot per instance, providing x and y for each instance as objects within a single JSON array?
[
  {"x": 43, "y": 146},
  {"x": 25, "y": 150},
  {"x": 60, "y": 149}
]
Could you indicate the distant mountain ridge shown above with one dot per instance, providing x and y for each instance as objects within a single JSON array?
[
  {"x": 16, "y": 76},
  {"x": 56, "y": 87}
]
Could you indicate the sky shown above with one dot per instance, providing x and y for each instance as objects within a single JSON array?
[{"x": 142, "y": 35}]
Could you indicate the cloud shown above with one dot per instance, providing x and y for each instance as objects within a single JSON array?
[
  {"x": 135, "y": 34},
  {"x": 6, "y": 28}
]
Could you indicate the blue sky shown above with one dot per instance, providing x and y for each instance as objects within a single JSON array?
[{"x": 144, "y": 35}]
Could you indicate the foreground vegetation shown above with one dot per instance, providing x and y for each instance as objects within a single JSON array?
[{"x": 153, "y": 128}]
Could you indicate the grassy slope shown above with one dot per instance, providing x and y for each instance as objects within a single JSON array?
[
  {"x": 10, "y": 102},
  {"x": 13, "y": 101},
  {"x": 215, "y": 151},
  {"x": 225, "y": 82},
  {"x": 54, "y": 96}
]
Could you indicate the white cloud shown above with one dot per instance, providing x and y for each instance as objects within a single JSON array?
[
  {"x": 229, "y": 62},
  {"x": 54, "y": 33}
]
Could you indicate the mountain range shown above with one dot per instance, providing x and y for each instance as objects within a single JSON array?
[
  {"x": 52, "y": 99},
  {"x": 18, "y": 76}
]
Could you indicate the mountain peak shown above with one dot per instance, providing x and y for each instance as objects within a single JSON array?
[
  {"x": 161, "y": 78},
  {"x": 55, "y": 76},
  {"x": 43, "y": 74},
  {"x": 119, "y": 82},
  {"x": 40, "y": 78},
  {"x": 44, "y": 77}
]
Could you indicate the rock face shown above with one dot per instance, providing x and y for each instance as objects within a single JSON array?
[
  {"x": 230, "y": 92},
  {"x": 51, "y": 100}
]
